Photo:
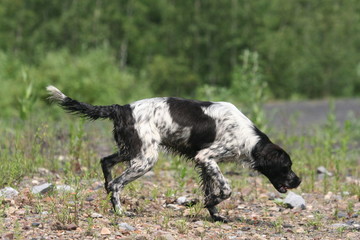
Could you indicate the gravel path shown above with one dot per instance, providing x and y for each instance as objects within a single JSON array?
[{"x": 306, "y": 114}]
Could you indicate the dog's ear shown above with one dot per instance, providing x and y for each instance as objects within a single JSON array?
[{"x": 271, "y": 155}]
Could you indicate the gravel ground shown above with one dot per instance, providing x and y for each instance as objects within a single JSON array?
[
  {"x": 255, "y": 209},
  {"x": 310, "y": 113}
]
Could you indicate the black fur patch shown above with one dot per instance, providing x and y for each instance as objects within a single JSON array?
[
  {"x": 188, "y": 113},
  {"x": 125, "y": 133}
]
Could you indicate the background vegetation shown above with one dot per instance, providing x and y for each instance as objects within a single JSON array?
[{"x": 108, "y": 51}]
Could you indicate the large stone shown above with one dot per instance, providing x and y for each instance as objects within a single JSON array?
[
  {"x": 42, "y": 189},
  {"x": 8, "y": 192},
  {"x": 126, "y": 226},
  {"x": 294, "y": 200}
]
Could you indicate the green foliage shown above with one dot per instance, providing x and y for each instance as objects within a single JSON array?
[
  {"x": 142, "y": 48},
  {"x": 249, "y": 87}
]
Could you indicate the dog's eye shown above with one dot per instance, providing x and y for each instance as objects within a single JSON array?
[{"x": 284, "y": 169}]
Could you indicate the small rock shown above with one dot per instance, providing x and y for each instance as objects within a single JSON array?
[
  {"x": 226, "y": 227},
  {"x": 274, "y": 209},
  {"x": 64, "y": 188},
  {"x": 323, "y": 170},
  {"x": 8, "y": 192},
  {"x": 342, "y": 215},
  {"x": 294, "y": 200},
  {"x": 67, "y": 227},
  {"x": 42, "y": 189},
  {"x": 70, "y": 227},
  {"x": 96, "y": 215},
  {"x": 340, "y": 225},
  {"x": 272, "y": 195},
  {"x": 105, "y": 231},
  {"x": 287, "y": 225},
  {"x": 35, "y": 224},
  {"x": 173, "y": 206},
  {"x": 328, "y": 196},
  {"x": 245, "y": 229},
  {"x": 199, "y": 223},
  {"x": 126, "y": 226},
  {"x": 300, "y": 230},
  {"x": 181, "y": 200},
  {"x": 97, "y": 186},
  {"x": 35, "y": 182},
  {"x": 89, "y": 199}
]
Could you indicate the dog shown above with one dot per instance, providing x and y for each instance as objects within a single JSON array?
[{"x": 205, "y": 132}]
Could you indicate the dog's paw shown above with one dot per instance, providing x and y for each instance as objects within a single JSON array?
[{"x": 219, "y": 218}]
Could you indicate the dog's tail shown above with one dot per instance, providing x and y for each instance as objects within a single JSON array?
[{"x": 83, "y": 109}]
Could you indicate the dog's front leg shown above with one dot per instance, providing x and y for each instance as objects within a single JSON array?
[{"x": 215, "y": 185}]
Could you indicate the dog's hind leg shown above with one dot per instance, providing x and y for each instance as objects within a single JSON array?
[
  {"x": 137, "y": 167},
  {"x": 108, "y": 162},
  {"x": 216, "y": 186}
]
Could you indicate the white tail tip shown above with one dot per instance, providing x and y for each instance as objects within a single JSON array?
[{"x": 55, "y": 94}]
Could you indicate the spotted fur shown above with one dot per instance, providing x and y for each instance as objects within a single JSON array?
[{"x": 205, "y": 132}]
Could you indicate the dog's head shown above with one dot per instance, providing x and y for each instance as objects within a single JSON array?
[{"x": 275, "y": 164}]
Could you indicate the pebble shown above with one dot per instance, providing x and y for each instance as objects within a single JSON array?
[
  {"x": 200, "y": 223},
  {"x": 181, "y": 200},
  {"x": 96, "y": 215},
  {"x": 323, "y": 170},
  {"x": 173, "y": 206},
  {"x": 64, "y": 188},
  {"x": 8, "y": 192},
  {"x": 295, "y": 201},
  {"x": 42, "y": 189},
  {"x": 245, "y": 228},
  {"x": 126, "y": 226},
  {"x": 342, "y": 215},
  {"x": 35, "y": 224},
  {"x": 328, "y": 196},
  {"x": 89, "y": 199},
  {"x": 339, "y": 225},
  {"x": 105, "y": 231}
]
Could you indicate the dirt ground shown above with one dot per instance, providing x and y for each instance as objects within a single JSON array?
[{"x": 254, "y": 212}]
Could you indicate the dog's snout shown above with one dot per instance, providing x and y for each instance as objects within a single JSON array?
[{"x": 296, "y": 182}]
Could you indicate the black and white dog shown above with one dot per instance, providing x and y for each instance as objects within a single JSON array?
[{"x": 205, "y": 132}]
